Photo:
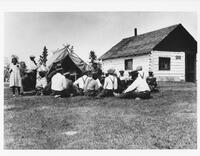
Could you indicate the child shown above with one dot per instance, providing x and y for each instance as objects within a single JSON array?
[
  {"x": 23, "y": 74},
  {"x": 15, "y": 78},
  {"x": 41, "y": 83}
]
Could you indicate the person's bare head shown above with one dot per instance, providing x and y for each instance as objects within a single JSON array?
[
  {"x": 94, "y": 65},
  {"x": 14, "y": 60},
  {"x": 150, "y": 73},
  {"x": 94, "y": 76},
  {"x": 121, "y": 72},
  {"x": 23, "y": 64}
]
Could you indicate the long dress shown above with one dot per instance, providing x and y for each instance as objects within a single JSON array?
[{"x": 15, "y": 78}]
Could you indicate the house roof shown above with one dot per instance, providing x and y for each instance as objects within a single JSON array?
[{"x": 138, "y": 45}]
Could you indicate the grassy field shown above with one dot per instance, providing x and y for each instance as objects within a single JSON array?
[{"x": 166, "y": 121}]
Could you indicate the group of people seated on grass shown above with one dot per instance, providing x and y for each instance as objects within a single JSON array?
[{"x": 60, "y": 84}]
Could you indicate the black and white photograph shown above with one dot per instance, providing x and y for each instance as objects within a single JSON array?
[{"x": 100, "y": 80}]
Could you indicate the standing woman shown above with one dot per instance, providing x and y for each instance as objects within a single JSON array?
[
  {"x": 32, "y": 72},
  {"x": 23, "y": 74},
  {"x": 15, "y": 78}
]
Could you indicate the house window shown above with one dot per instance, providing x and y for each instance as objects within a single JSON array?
[
  {"x": 128, "y": 64},
  {"x": 164, "y": 63},
  {"x": 178, "y": 57}
]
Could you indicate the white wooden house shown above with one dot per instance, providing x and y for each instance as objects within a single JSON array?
[{"x": 169, "y": 52}]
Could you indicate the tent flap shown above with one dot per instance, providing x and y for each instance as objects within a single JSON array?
[{"x": 64, "y": 55}]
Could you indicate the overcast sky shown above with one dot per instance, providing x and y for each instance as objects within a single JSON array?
[{"x": 28, "y": 33}]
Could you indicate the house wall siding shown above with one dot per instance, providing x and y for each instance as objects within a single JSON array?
[
  {"x": 177, "y": 67},
  {"x": 118, "y": 63},
  {"x": 151, "y": 62}
]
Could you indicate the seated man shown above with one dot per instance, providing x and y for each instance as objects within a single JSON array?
[
  {"x": 103, "y": 76},
  {"x": 121, "y": 75},
  {"x": 138, "y": 89},
  {"x": 96, "y": 69},
  {"x": 121, "y": 81},
  {"x": 151, "y": 81},
  {"x": 58, "y": 84},
  {"x": 69, "y": 89},
  {"x": 41, "y": 83},
  {"x": 90, "y": 76},
  {"x": 41, "y": 68},
  {"x": 81, "y": 82},
  {"x": 53, "y": 71},
  {"x": 92, "y": 86},
  {"x": 110, "y": 84},
  {"x": 47, "y": 90}
]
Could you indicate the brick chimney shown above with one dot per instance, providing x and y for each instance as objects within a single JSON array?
[{"x": 135, "y": 31}]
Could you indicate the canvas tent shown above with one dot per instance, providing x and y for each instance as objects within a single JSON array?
[{"x": 69, "y": 61}]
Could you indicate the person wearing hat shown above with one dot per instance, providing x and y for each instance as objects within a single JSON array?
[
  {"x": 41, "y": 68},
  {"x": 32, "y": 65},
  {"x": 140, "y": 71},
  {"x": 32, "y": 74},
  {"x": 151, "y": 81},
  {"x": 110, "y": 84},
  {"x": 58, "y": 83},
  {"x": 138, "y": 89},
  {"x": 121, "y": 81},
  {"x": 121, "y": 75}
]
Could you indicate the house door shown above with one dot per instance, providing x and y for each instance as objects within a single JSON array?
[{"x": 190, "y": 67}]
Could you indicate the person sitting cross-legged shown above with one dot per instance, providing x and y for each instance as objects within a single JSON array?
[
  {"x": 81, "y": 82},
  {"x": 121, "y": 81},
  {"x": 58, "y": 84},
  {"x": 151, "y": 81},
  {"x": 41, "y": 83},
  {"x": 69, "y": 89},
  {"x": 47, "y": 90},
  {"x": 110, "y": 84},
  {"x": 92, "y": 87},
  {"x": 138, "y": 89}
]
